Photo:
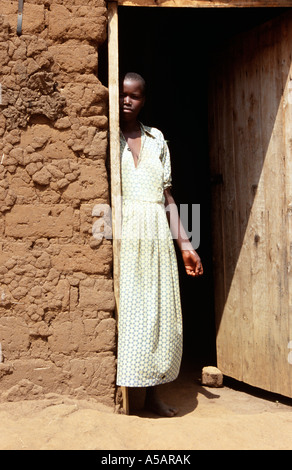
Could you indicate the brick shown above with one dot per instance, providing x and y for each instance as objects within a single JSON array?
[
  {"x": 94, "y": 376},
  {"x": 77, "y": 23},
  {"x": 39, "y": 221},
  {"x": 86, "y": 187},
  {"x": 212, "y": 377},
  {"x": 28, "y": 374},
  {"x": 99, "y": 295},
  {"x": 82, "y": 258},
  {"x": 85, "y": 336},
  {"x": 77, "y": 57},
  {"x": 14, "y": 337}
]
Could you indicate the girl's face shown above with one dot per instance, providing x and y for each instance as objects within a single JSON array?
[{"x": 132, "y": 100}]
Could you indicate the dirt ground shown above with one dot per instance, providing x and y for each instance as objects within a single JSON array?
[{"x": 233, "y": 417}]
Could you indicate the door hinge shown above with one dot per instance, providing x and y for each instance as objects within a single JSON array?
[{"x": 19, "y": 17}]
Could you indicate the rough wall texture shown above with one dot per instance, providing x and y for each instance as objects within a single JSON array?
[{"x": 57, "y": 330}]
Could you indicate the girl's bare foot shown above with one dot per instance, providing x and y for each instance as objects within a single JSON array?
[{"x": 156, "y": 405}]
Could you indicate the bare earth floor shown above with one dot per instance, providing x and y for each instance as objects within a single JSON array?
[{"x": 226, "y": 418}]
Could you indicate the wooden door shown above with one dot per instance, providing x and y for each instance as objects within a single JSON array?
[{"x": 250, "y": 133}]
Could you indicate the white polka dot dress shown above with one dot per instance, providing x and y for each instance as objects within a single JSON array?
[{"x": 150, "y": 321}]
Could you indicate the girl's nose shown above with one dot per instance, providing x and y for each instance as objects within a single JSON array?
[{"x": 127, "y": 99}]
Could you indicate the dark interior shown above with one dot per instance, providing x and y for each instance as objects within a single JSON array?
[{"x": 173, "y": 48}]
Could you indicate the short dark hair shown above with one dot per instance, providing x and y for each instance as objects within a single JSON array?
[{"x": 135, "y": 77}]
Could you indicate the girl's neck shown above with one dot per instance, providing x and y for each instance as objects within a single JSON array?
[{"x": 130, "y": 126}]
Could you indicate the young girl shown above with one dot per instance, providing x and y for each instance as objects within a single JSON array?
[{"x": 150, "y": 320}]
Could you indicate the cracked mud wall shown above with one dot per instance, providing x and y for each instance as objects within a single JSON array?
[{"x": 57, "y": 326}]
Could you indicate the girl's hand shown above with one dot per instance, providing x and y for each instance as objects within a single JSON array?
[{"x": 192, "y": 262}]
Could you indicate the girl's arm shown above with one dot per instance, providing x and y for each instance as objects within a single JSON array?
[{"x": 191, "y": 259}]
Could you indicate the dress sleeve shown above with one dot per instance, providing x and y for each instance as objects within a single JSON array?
[{"x": 167, "y": 180}]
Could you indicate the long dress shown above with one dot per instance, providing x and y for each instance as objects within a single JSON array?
[{"x": 150, "y": 320}]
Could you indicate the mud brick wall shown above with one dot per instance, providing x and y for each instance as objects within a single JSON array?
[{"x": 57, "y": 326}]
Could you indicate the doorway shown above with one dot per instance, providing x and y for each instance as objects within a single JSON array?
[
  {"x": 234, "y": 64},
  {"x": 173, "y": 49}
]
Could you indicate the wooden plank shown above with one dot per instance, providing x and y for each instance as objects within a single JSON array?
[
  {"x": 272, "y": 140},
  {"x": 115, "y": 166},
  {"x": 284, "y": 317},
  {"x": 229, "y": 335},
  {"x": 215, "y": 149},
  {"x": 254, "y": 312},
  {"x": 254, "y": 278},
  {"x": 241, "y": 282},
  {"x": 214, "y": 110},
  {"x": 207, "y": 3},
  {"x": 287, "y": 113}
]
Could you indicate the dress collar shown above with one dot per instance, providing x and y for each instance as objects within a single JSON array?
[{"x": 145, "y": 130}]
